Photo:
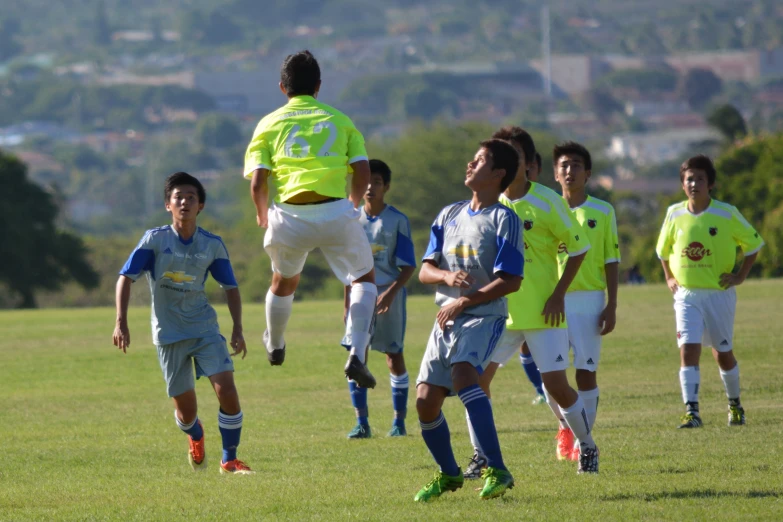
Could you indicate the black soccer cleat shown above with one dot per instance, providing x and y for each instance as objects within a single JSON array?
[
  {"x": 275, "y": 357},
  {"x": 588, "y": 461},
  {"x": 357, "y": 371},
  {"x": 690, "y": 420}
]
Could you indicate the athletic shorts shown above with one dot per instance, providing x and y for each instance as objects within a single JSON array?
[
  {"x": 548, "y": 346},
  {"x": 705, "y": 316},
  {"x": 388, "y": 332},
  {"x": 583, "y": 309},
  {"x": 471, "y": 339},
  {"x": 296, "y": 230},
  {"x": 210, "y": 355}
]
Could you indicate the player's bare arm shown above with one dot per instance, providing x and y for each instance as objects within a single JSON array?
[
  {"x": 728, "y": 280},
  {"x": 259, "y": 192},
  {"x": 554, "y": 308},
  {"x": 121, "y": 337},
  {"x": 359, "y": 181},
  {"x": 387, "y": 297},
  {"x": 608, "y": 318},
  {"x": 235, "y": 308},
  {"x": 430, "y": 274},
  {"x": 671, "y": 282},
  {"x": 505, "y": 284}
]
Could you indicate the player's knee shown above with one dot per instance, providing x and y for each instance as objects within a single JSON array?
[{"x": 586, "y": 379}]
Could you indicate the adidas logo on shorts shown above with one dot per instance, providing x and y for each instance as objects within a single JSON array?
[
  {"x": 724, "y": 343},
  {"x": 559, "y": 358},
  {"x": 590, "y": 361}
]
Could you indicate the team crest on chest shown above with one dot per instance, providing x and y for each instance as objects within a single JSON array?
[
  {"x": 713, "y": 231},
  {"x": 528, "y": 224},
  {"x": 591, "y": 223}
]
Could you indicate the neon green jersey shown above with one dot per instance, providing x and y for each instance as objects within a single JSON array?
[
  {"x": 699, "y": 248},
  {"x": 308, "y": 146},
  {"x": 547, "y": 223},
  {"x": 600, "y": 226}
]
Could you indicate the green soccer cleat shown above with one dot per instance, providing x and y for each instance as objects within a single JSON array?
[
  {"x": 360, "y": 431},
  {"x": 736, "y": 416},
  {"x": 438, "y": 486},
  {"x": 496, "y": 482},
  {"x": 540, "y": 399},
  {"x": 398, "y": 431},
  {"x": 690, "y": 420}
]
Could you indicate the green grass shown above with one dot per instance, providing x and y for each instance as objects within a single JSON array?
[{"x": 88, "y": 433}]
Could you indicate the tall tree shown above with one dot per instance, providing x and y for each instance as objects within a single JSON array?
[
  {"x": 699, "y": 86},
  {"x": 101, "y": 30},
  {"x": 729, "y": 122},
  {"x": 34, "y": 254}
]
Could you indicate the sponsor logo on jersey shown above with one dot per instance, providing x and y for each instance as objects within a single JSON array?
[
  {"x": 713, "y": 231},
  {"x": 696, "y": 251},
  {"x": 377, "y": 248},
  {"x": 168, "y": 251},
  {"x": 561, "y": 249},
  {"x": 463, "y": 251},
  {"x": 591, "y": 223},
  {"x": 528, "y": 224},
  {"x": 179, "y": 277}
]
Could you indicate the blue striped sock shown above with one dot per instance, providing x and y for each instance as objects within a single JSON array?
[
  {"x": 230, "y": 430},
  {"x": 531, "y": 370},
  {"x": 193, "y": 429},
  {"x": 480, "y": 411},
  {"x": 399, "y": 389},
  {"x": 359, "y": 400},
  {"x": 438, "y": 440}
]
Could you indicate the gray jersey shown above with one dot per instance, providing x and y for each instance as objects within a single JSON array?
[
  {"x": 389, "y": 234},
  {"x": 176, "y": 271},
  {"x": 482, "y": 243}
]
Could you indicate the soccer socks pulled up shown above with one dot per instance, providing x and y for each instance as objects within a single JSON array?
[
  {"x": 438, "y": 440},
  {"x": 472, "y": 433},
  {"x": 278, "y": 311},
  {"x": 689, "y": 382},
  {"x": 230, "y": 431},
  {"x": 399, "y": 390},
  {"x": 193, "y": 429},
  {"x": 480, "y": 418},
  {"x": 531, "y": 370},
  {"x": 555, "y": 408},
  {"x": 361, "y": 309},
  {"x": 731, "y": 383},
  {"x": 359, "y": 401},
  {"x": 576, "y": 417},
  {"x": 590, "y": 400}
]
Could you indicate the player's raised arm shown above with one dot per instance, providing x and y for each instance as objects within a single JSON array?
[{"x": 121, "y": 335}]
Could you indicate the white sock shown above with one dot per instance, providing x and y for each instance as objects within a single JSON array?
[
  {"x": 731, "y": 382},
  {"x": 361, "y": 309},
  {"x": 472, "y": 432},
  {"x": 590, "y": 400},
  {"x": 555, "y": 408},
  {"x": 576, "y": 417},
  {"x": 278, "y": 311},
  {"x": 689, "y": 382}
]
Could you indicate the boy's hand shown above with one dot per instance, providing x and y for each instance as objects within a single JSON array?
[
  {"x": 673, "y": 285},
  {"x": 121, "y": 336},
  {"x": 262, "y": 219},
  {"x": 728, "y": 280},
  {"x": 238, "y": 343},
  {"x": 459, "y": 279},
  {"x": 384, "y": 302},
  {"x": 608, "y": 319},
  {"x": 450, "y": 312},
  {"x": 554, "y": 309}
]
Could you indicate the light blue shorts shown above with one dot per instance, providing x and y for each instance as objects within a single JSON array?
[
  {"x": 210, "y": 355},
  {"x": 388, "y": 332}
]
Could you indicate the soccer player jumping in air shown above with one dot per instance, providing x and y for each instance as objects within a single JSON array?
[{"x": 306, "y": 151}]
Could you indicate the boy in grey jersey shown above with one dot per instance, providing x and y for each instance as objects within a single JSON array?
[
  {"x": 176, "y": 259},
  {"x": 475, "y": 258},
  {"x": 389, "y": 233}
]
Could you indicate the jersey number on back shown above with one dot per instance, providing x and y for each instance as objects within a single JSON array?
[{"x": 298, "y": 147}]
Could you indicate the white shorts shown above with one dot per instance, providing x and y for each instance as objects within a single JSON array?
[
  {"x": 548, "y": 346},
  {"x": 295, "y": 230},
  {"x": 705, "y": 316},
  {"x": 583, "y": 309}
]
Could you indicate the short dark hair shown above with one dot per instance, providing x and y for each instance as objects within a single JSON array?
[
  {"x": 699, "y": 162},
  {"x": 382, "y": 169},
  {"x": 505, "y": 157},
  {"x": 300, "y": 74},
  {"x": 575, "y": 149},
  {"x": 179, "y": 179},
  {"x": 521, "y": 137},
  {"x": 538, "y": 160}
]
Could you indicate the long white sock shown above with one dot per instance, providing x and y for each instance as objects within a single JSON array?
[
  {"x": 590, "y": 399},
  {"x": 278, "y": 311},
  {"x": 689, "y": 382},
  {"x": 472, "y": 433},
  {"x": 731, "y": 382},
  {"x": 576, "y": 417},
  {"x": 361, "y": 308},
  {"x": 555, "y": 408}
]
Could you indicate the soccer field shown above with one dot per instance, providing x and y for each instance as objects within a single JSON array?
[{"x": 88, "y": 433}]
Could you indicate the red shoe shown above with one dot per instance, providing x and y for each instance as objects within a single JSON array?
[
  {"x": 197, "y": 455},
  {"x": 565, "y": 443},
  {"x": 236, "y": 467}
]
